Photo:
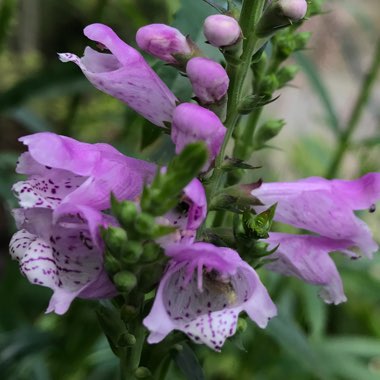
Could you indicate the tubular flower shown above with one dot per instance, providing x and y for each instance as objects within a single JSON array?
[
  {"x": 125, "y": 75},
  {"x": 62, "y": 170},
  {"x": 325, "y": 207},
  {"x": 189, "y": 214},
  {"x": 307, "y": 258},
  {"x": 208, "y": 79},
  {"x": 192, "y": 123},
  {"x": 221, "y": 30},
  {"x": 163, "y": 41},
  {"x": 63, "y": 253},
  {"x": 202, "y": 293}
]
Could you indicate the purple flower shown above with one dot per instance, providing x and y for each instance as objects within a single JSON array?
[
  {"x": 221, "y": 30},
  {"x": 163, "y": 41},
  {"x": 208, "y": 78},
  {"x": 307, "y": 258},
  {"x": 325, "y": 207},
  {"x": 193, "y": 123},
  {"x": 188, "y": 215},
  {"x": 62, "y": 170},
  {"x": 202, "y": 293},
  {"x": 125, "y": 75},
  {"x": 63, "y": 253}
]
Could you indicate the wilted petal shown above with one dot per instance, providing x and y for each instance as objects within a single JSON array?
[
  {"x": 307, "y": 258},
  {"x": 325, "y": 206},
  {"x": 125, "y": 75},
  {"x": 202, "y": 293},
  {"x": 61, "y": 256},
  {"x": 63, "y": 170}
]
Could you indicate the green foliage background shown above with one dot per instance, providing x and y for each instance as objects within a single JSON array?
[{"x": 309, "y": 340}]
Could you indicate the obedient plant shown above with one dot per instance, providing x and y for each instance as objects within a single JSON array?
[{"x": 181, "y": 246}]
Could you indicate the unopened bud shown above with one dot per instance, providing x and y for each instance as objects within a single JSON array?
[
  {"x": 142, "y": 373},
  {"x": 145, "y": 224},
  {"x": 208, "y": 78},
  {"x": 151, "y": 251},
  {"x": 126, "y": 213},
  {"x": 128, "y": 312},
  {"x": 163, "y": 41},
  {"x": 115, "y": 237},
  {"x": 268, "y": 131},
  {"x": 280, "y": 14},
  {"x": 126, "y": 340},
  {"x": 111, "y": 264},
  {"x": 286, "y": 74},
  {"x": 125, "y": 281},
  {"x": 131, "y": 252},
  {"x": 221, "y": 30},
  {"x": 293, "y": 9},
  {"x": 192, "y": 123}
]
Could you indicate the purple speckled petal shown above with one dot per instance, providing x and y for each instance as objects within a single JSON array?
[
  {"x": 192, "y": 123},
  {"x": 125, "y": 75},
  {"x": 202, "y": 293},
  {"x": 60, "y": 256},
  {"x": 64, "y": 170},
  {"x": 325, "y": 206},
  {"x": 307, "y": 258}
]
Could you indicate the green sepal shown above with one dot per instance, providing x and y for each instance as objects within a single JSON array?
[
  {"x": 258, "y": 226},
  {"x": 235, "y": 163}
]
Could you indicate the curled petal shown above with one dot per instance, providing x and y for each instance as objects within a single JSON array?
[
  {"x": 202, "y": 293},
  {"x": 307, "y": 258},
  {"x": 325, "y": 206},
  {"x": 125, "y": 75}
]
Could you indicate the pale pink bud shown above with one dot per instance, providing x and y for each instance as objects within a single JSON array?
[
  {"x": 163, "y": 41},
  {"x": 221, "y": 30},
  {"x": 294, "y": 9},
  {"x": 208, "y": 78}
]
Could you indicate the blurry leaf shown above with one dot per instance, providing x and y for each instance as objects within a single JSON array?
[
  {"x": 30, "y": 121},
  {"x": 370, "y": 142},
  {"x": 320, "y": 90},
  {"x": 354, "y": 345},
  {"x": 315, "y": 310},
  {"x": 57, "y": 80},
  {"x": 188, "y": 363},
  {"x": 7, "y": 8}
]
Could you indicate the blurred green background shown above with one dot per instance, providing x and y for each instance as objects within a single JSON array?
[{"x": 309, "y": 340}]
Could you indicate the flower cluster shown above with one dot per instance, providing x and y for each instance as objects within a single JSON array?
[{"x": 66, "y": 197}]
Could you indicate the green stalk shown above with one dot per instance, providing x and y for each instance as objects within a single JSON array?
[
  {"x": 250, "y": 14},
  {"x": 353, "y": 122}
]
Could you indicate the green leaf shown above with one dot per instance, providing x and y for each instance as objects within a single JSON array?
[
  {"x": 188, "y": 363},
  {"x": 320, "y": 89}
]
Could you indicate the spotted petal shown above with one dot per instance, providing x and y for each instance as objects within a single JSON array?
[
  {"x": 60, "y": 256},
  {"x": 202, "y": 293}
]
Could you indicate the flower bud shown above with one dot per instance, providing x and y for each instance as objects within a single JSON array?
[
  {"x": 114, "y": 238},
  {"x": 163, "y": 41},
  {"x": 267, "y": 131},
  {"x": 142, "y": 373},
  {"x": 125, "y": 281},
  {"x": 280, "y": 14},
  {"x": 191, "y": 123},
  {"x": 293, "y": 9},
  {"x": 208, "y": 78},
  {"x": 221, "y": 30}
]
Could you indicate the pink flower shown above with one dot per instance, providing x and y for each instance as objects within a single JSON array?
[
  {"x": 125, "y": 75},
  {"x": 202, "y": 293},
  {"x": 163, "y": 41}
]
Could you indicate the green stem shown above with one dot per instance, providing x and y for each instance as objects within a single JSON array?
[
  {"x": 251, "y": 12},
  {"x": 356, "y": 114}
]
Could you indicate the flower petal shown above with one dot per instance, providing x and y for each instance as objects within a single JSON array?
[
  {"x": 307, "y": 258},
  {"x": 124, "y": 75},
  {"x": 325, "y": 206}
]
